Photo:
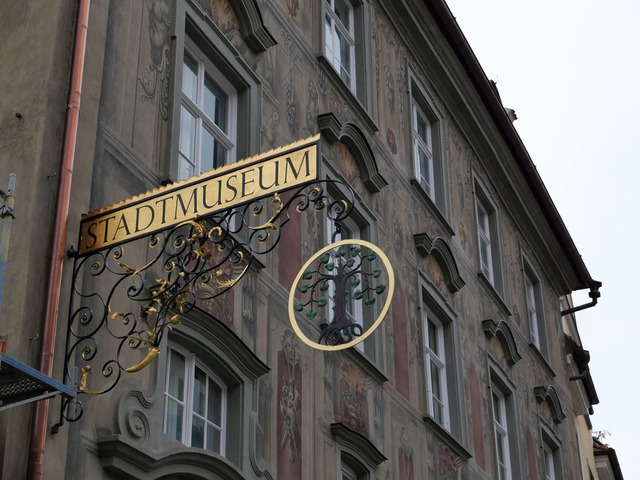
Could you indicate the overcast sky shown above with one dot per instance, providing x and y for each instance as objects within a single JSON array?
[{"x": 571, "y": 71}]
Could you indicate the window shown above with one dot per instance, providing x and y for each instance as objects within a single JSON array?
[
  {"x": 358, "y": 225},
  {"x": 484, "y": 242},
  {"x": 195, "y": 403},
  {"x": 423, "y": 150},
  {"x": 442, "y": 388},
  {"x": 355, "y": 312},
  {"x": 549, "y": 465},
  {"x": 428, "y": 152},
  {"x": 356, "y": 456},
  {"x": 346, "y": 44},
  {"x": 535, "y": 309},
  {"x": 213, "y": 93},
  {"x": 207, "y": 116},
  {"x": 531, "y": 292},
  {"x": 488, "y": 242},
  {"x": 435, "y": 369},
  {"x": 348, "y": 474},
  {"x": 506, "y": 438},
  {"x": 552, "y": 464},
  {"x": 339, "y": 39},
  {"x": 351, "y": 468},
  {"x": 501, "y": 433}
]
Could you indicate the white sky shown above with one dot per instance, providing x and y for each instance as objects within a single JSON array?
[{"x": 571, "y": 71}]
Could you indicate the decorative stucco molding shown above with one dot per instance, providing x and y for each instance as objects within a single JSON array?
[
  {"x": 231, "y": 346},
  {"x": 442, "y": 253},
  {"x": 358, "y": 442},
  {"x": 356, "y": 142},
  {"x": 259, "y": 466},
  {"x": 503, "y": 333},
  {"x": 251, "y": 25},
  {"x": 125, "y": 459},
  {"x": 548, "y": 394}
]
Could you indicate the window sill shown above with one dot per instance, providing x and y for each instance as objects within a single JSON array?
[
  {"x": 543, "y": 360},
  {"x": 497, "y": 297},
  {"x": 442, "y": 221},
  {"x": 367, "y": 365},
  {"x": 445, "y": 436},
  {"x": 359, "y": 110}
]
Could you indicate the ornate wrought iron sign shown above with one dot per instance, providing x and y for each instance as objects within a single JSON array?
[
  {"x": 146, "y": 262},
  {"x": 333, "y": 289}
]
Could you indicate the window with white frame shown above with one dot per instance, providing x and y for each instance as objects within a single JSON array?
[
  {"x": 436, "y": 369},
  {"x": 353, "y": 467},
  {"x": 423, "y": 150},
  {"x": 531, "y": 293},
  {"x": 501, "y": 434},
  {"x": 346, "y": 44},
  {"x": 195, "y": 403},
  {"x": 428, "y": 154},
  {"x": 347, "y": 473},
  {"x": 339, "y": 39},
  {"x": 213, "y": 94},
  {"x": 208, "y": 113},
  {"x": 484, "y": 242},
  {"x": 488, "y": 242},
  {"x": 551, "y": 462},
  {"x": 506, "y": 439},
  {"x": 348, "y": 230},
  {"x": 441, "y": 365},
  {"x": 355, "y": 312},
  {"x": 549, "y": 465},
  {"x": 535, "y": 309},
  {"x": 356, "y": 457}
]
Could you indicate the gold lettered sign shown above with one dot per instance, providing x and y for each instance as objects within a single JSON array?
[{"x": 218, "y": 190}]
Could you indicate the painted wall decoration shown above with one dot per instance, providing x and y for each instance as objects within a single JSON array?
[
  {"x": 405, "y": 456},
  {"x": 289, "y": 408},
  {"x": 476, "y": 417},
  {"x": 391, "y": 141},
  {"x": 157, "y": 72},
  {"x": 354, "y": 407},
  {"x": 349, "y": 166},
  {"x": 223, "y": 16},
  {"x": 292, "y": 7},
  {"x": 400, "y": 342},
  {"x": 312, "y": 106},
  {"x": 448, "y": 464}
]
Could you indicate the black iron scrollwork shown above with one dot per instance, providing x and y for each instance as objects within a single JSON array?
[
  {"x": 340, "y": 277},
  {"x": 127, "y": 296}
]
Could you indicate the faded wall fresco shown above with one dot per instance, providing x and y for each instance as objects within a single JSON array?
[
  {"x": 289, "y": 417},
  {"x": 400, "y": 346},
  {"x": 354, "y": 406},
  {"x": 405, "y": 456}
]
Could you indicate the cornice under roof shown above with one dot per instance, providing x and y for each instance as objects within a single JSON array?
[{"x": 453, "y": 34}]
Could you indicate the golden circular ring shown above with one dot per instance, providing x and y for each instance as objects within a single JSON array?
[{"x": 383, "y": 312}]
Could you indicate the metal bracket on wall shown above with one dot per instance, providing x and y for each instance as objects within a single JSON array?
[{"x": 126, "y": 297}]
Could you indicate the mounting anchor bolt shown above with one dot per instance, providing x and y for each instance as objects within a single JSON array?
[{"x": 72, "y": 252}]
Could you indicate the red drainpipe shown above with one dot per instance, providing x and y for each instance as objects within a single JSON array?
[{"x": 41, "y": 410}]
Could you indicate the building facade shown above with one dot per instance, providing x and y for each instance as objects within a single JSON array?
[{"x": 471, "y": 373}]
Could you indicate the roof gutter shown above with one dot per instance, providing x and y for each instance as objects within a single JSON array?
[{"x": 458, "y": 42}]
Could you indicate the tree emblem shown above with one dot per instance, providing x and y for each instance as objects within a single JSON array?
[{"x": 335, "y": 289}]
